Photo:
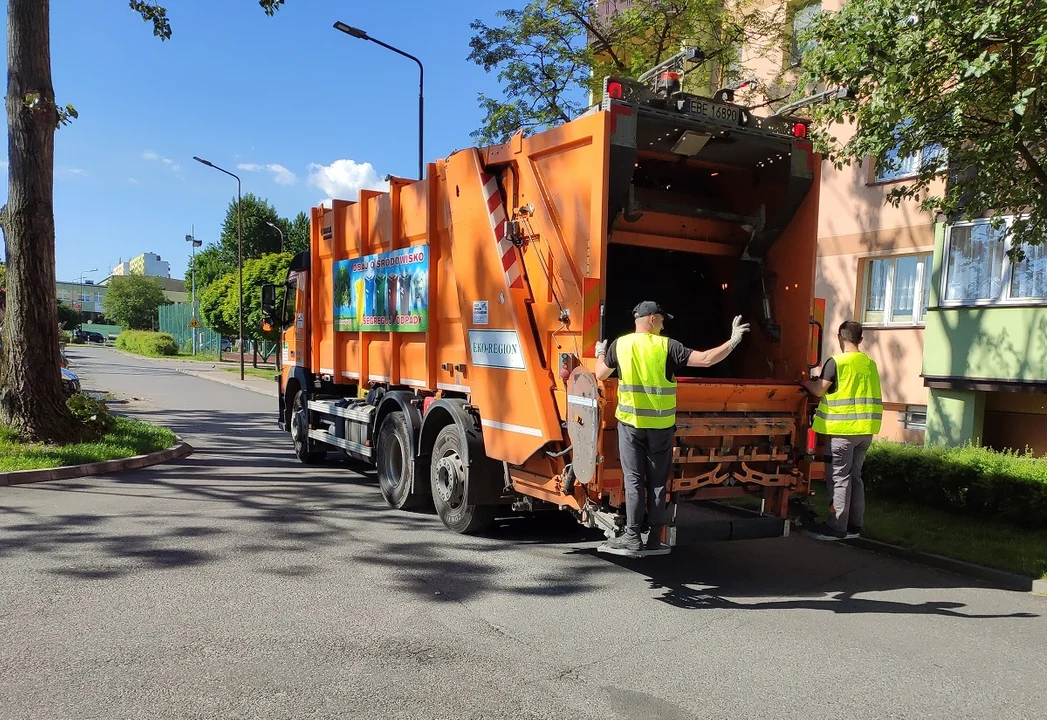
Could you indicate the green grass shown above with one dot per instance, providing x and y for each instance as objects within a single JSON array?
[
  {"x": 131, "y": 437},
  {"x": 254, "y": 372},
  {"x": 982, "y": 542},
  {"x": 200, "y": 356}
]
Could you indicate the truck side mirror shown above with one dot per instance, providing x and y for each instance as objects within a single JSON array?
[{"x": 269, "y": 303}]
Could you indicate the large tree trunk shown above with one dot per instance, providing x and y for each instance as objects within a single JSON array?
[{"x": 31, "y": 399}]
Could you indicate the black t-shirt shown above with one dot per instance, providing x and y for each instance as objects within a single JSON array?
[
  {"x": 676, "y": 359},
  {"x": 829, "y": 373}
]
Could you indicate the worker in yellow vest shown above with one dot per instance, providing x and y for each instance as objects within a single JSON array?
[
  {"x": 647, "y": 363},
  {"x": 849, "y": 415}
]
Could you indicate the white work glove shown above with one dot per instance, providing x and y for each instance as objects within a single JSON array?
[
  {"x": 601, "y": 348},
  {"x": 738, "y": 330}
]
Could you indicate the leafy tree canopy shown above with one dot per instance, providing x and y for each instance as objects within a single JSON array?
[
  {"x": 550, "y": 54},
  {"x": 966, "y": 75},
  {"x": 259, "y": 238},
  {"x": 132, "y": 301},
  {"x": 219, "y": 304},
  {"x": 68, "y": 316}
]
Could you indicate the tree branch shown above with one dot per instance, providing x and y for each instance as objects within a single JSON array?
[{"x": 1037, "y": 169}]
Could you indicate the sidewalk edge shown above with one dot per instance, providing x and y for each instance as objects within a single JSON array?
[{"x": 179, "y": 450}]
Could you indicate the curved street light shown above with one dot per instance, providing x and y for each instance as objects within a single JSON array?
[
  {"x": 362, "y": 35},
  {"x": 240, "y": 250}
]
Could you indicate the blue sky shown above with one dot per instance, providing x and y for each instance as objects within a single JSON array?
[{"x": 306, "y": 112}]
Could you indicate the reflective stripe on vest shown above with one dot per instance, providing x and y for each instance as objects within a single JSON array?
[
  {"x": 856, "y": 408},
  {"x": 645, "y": 398}
]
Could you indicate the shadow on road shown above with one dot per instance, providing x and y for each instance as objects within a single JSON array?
[{"x": 244, "y": 493}]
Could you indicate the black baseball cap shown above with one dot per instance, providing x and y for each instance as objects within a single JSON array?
[{"x": 650, "y": 307}]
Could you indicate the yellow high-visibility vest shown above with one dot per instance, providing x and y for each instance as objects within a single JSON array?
[
  {"x": 646, "y": 399},
  {"x": 856, "y": 408}
]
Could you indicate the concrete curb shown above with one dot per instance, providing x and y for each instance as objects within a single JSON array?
[
  {"x": 231, "y": 382},
  {"x": 24, "y": 477},
  {"x": 997, "y": 578}
]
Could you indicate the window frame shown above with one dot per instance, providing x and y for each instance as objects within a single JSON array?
[
  {"x": 791, "y": 58},
  {"x": 919, "y": 316},
  {"x": 1005, "y": 299},
  {"x": 907, "y": 421}
]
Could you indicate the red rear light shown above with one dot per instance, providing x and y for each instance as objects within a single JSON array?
[
  {"x": 799, "y": 130},
  {"x": 614, "y": 90},
  {"x": 426, "y": 403}
]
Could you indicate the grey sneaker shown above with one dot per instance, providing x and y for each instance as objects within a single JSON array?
[
  {"x": 854, "y": 533},
  {"x": 822, "y": 531},
  {"x": 627, "y": 544},
  {"x": 654, "y": 540}
]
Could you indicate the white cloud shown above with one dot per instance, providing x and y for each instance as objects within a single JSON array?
[
  {"x": 171, "y": 164},
  {"x": 281, "y": 175},
  {"x": 3, "y": 164},
  {"x": 345, "y": 178},
  {"x": 70, "y": 172},
  {"x": 133, "y": 181},
  {"x": 77, "y": 171}
]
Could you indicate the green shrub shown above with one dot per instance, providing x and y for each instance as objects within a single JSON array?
[
  {"x": 144, "y": 342},
  {"x": 93, "y": 413},
  {"x": 78, "y": 340},
  {"x": 968, "y": 480}
]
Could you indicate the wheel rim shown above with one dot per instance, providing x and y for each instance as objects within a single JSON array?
[
  {"x": 450, "y": 479},
  {"x": 392, "y": 462}
]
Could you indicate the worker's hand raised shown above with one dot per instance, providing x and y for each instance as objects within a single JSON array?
[
  {"x": 601, "y": 348},
  {"x": 738, "y": 330}
]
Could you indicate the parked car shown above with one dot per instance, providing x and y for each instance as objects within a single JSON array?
[
  {"x": 70, "y": 382},
  {"x": 227, "y": 345},
  {"x": 89, "y": 336}
]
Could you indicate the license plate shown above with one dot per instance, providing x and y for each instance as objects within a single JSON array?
[{"x": 715, "y": 111}]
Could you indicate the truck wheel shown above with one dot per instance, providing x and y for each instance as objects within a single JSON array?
[
  {"x": 395, "y": 464},
  {"x": 303, "y": 446},
  {"x": 447, "y": 477}
]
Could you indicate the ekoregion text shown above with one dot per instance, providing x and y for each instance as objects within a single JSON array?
[
  {"x": 407, "y": 259},
  {"x": 393, "y": 320}
]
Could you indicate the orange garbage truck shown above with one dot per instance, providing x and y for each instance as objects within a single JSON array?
[{"x": 444, "y": 330}]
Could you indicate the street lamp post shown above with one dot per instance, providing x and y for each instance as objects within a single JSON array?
[
  {"x": 85, "y": 272},
  {"x": 240, "y": 250},
  {"x": 276, "y": 227},
  {"x": 362, "y": 35},
  {"x": 191, "y": 238}
]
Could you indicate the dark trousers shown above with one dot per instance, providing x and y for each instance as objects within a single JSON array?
[{"x": 646, "y": 457}]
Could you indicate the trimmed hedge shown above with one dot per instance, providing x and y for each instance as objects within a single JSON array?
[
  {"x": 144, "y": 342},
  {"x": 967, "y": 480}
]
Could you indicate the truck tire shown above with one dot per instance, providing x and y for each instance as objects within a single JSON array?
[
  {"x": 395, "y": 464},
  {"x": 303, "y": 446},
  {"x": 448, "y": 477}
]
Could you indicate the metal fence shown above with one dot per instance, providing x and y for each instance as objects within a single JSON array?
[{"x": 174, "y": 319}]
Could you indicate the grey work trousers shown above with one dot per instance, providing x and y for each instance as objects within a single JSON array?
[
  {"x": 844, "y": 482},
  {"x": 646, "y": 456}
]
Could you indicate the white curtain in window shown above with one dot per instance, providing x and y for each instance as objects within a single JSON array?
[
  {"x": 876, "y": 296},
  {"x": 1029, "y": 277},
  {"x": 975, "y": 263},
  {"x": 904, "y": 294}
]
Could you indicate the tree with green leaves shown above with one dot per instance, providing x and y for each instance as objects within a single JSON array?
[
  {"x": 31, "y": 402},
  {"x": 551, "y": 54},
  {"x": 259, "y": 237},
  {"x": 220, "y": 303},
  {"x": 68, "y": 316},
  {"x": 209, "y": 264},
  {"x": 132, "y": 301},
  {"x": 297, "y": 234},
  {"x": 965, "y": 78}
]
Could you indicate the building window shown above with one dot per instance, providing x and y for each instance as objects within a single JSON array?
[
  {"x": 803, "y": 16},
  {"x": 892, "y": 166},
  {"x": 914, "y": 417},
  {"x": 978, "y": 270},
  {"x": 897, "y": 290}
]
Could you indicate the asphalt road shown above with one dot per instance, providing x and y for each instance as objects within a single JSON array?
[{"x": 237, "y": 583}]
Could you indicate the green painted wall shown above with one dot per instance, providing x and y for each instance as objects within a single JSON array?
[
  {"x": 954, "y": 417},
  {"x": 1001, "y": 343}
]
